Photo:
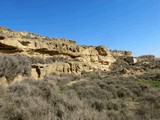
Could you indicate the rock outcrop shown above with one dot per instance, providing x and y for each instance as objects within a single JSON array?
[
  {"x": 118, "y": 53},
  {"x": 77, "y": 58}
]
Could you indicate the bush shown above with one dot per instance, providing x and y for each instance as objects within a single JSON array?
[
  {"x": 99, "y": 98},
  {"x": 13, "y": 65}
]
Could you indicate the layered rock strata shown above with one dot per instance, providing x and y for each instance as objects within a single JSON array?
[{"x": 78, "y": 58}]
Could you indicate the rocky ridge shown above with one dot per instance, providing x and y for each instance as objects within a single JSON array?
[
  {"x": 37, "y": 57},
  {"x": 76, "y": 58}
]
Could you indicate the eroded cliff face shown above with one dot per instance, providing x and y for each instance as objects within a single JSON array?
[{"x": 77, "y": 58}]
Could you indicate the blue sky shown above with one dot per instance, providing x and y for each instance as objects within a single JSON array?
[{"x": 118, "y": 24}]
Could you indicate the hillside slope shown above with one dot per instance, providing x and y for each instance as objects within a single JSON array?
[{"x": 45, "y": 78}]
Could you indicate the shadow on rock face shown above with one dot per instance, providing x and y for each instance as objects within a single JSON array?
[{"x": 2, "y": 37}]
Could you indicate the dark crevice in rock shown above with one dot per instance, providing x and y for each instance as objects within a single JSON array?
[
  {"x": 2, "y": 37},
  {"x": 45, "y": 51},
  {"x": 8, "y": 49},
  {"x": 25, "y": 43}
]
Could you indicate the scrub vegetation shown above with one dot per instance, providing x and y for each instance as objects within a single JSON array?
[{"x": 90, "y": 96}]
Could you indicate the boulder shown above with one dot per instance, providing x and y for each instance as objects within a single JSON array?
[{"x": 131, "y": 60}]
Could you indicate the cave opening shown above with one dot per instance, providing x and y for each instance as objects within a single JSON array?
[{"x": 2, "y": 37}]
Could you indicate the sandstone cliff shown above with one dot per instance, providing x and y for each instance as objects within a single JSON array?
[{"x": 76, "y": 58}]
